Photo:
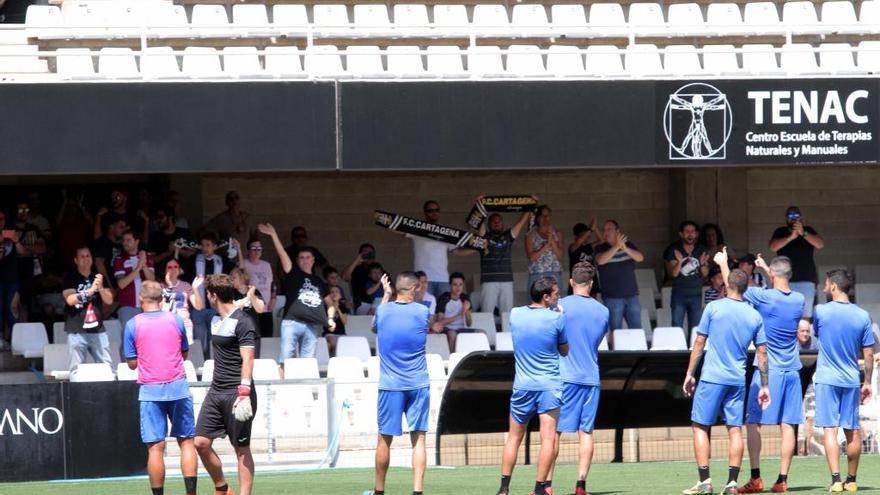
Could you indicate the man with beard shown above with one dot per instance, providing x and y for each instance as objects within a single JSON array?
[
  {"x": 687, "y": 264},
  {"x": 798, "y": 242}
]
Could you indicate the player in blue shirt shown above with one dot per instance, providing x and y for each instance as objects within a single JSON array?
[
  {"x": 586, "y": 323},
  {"x": 732, "y": 325},
  {"x": 844, "y": 329},
  {"x": 538, "y": 340},
  {"x": 781, "y": 308},
  {"x": 401, "y": 333}
]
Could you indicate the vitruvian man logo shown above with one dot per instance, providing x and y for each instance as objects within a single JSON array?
[{"x": 697, "y": 122}]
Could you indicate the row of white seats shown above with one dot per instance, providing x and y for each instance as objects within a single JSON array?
[
  {"x": 447, "y": 62},
  {"x": 101, "y": 19}
]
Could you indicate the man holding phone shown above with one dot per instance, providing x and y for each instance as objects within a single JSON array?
[
  {"x": 798, "y": 242},
  {"x": 85, "y": 295}
]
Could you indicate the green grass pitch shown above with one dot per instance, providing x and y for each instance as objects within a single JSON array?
[{"x": 808, "y": 475}]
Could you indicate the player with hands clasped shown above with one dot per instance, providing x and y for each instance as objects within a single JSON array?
[
  {"x": 231, "y": 402},
  {"x": 844, "y": 329},
  {"x": 732, "y": 325}
]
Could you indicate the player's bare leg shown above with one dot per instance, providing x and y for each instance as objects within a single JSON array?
[
  {"x": 383, "y": 458},
  {"x": 702, "y": 445},
  {"x": 546, "y": 455},
  {"x": 787, "y": 448},
  {"x": 753, "y": 436},
  {"x": 245, "y": 470},
  {"x": 585, "y": 454},
  {"x": 188, "y": 464},
  {"x": 555, "y": 456},
  {"x": 832, "y": 449},
  {"x": 853, "y": 450},
  {"x": 419, "y": 459},
  {"x": 156, "y": 464},
  {"x": 515, "y": 436},
  {"x": 210, "y": 459}
]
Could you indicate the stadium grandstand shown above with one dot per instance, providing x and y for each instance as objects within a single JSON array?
[{"x": 193, "y": 125}]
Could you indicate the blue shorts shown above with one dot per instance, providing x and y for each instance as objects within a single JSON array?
[
  {"x": 579, "y": 405},
  {"x": 786, "y": 399},
  {"x": 155, "y": 416},
  {"x": 393, "y": 404},
  {"x": 712, "y": 400},
  {"x": 837, "y": 406},
  {"x": 525, "y": 403}
]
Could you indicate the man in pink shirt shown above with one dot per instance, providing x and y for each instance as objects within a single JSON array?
[{"x": 156, "y": 345}]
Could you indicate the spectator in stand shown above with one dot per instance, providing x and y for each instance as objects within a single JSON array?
[
  {"x": 249, "y": 299},
  {"x": 35, "y": 215},
  {"x": 453, "y": 311},
  {"x": 172, "y": 199},
  {"x": 356, "y": 274},
  {"x": 341, "y": 318},
  {"x": 687, "y": 264},
  {"x": 712, "y": 239},
  {"x": 260, "y": 273},
  {"x": 331, "y": 276},
  {"x": 233, "y": 221},
  {"x": 299, "y": 239},
  {"x": 617, "y": 258},
  {"x": 424, "y": 297},
  {"x": 109, "y": 246},
  {"x": 74, "y": 225},
  {"x": 431, "y": 256},
  {"x": 747, "y": 264},
  {"x": 163, "y": 241},
  {"x": 180, "y": 295},
  {"x": 10, "y": 248},
  {"x": 309, "y": 307},
  {"x": 806, "y": 341},
  {"x": 131, "y": 268},
  {"x": 208, "y": 262},
  {"x": 85, "y": 295},
  {"x": 582, "y": 250},
  {"x": 544, "y": 248},
  {"x": 137, "y": 221},
  {"x": 717, "y": 289},
  {"x": 798, "y": 242},
  {"x": 30, "y": 261},
  {"x": 374, "y": 287}
]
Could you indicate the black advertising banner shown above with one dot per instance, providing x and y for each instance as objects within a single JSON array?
[
  {"x": 32, "y": 432},
  {"x": 772, "y": 121}
]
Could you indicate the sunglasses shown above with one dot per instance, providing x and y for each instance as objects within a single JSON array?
[
  {"x": 23, "y": 210},
  {"x": 255, "y": 249},
  {"x": 300, "y": 236},
  {"x": 793, "y": 216}
]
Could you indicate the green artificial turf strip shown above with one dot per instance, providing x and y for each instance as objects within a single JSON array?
[{"x": 808, "y": 475}]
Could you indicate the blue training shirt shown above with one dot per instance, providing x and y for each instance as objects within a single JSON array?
[
  {"x": 730, "y": 325},
  {"x": 844, "y": 329},
  {"x": 781, "y": 312},
  {"x": 401, "y": 333},
  {"x": 586, "y": 322},
  {"x": 537, "y": 334}
]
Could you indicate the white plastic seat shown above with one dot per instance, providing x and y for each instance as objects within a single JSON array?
[
  {"x": 43, "y": 21},
  {"x": 680, "y": 60},
  {"x": 868, "y": 56},
  {"x": 210, "y": 21},
  {"x": 372, "y": 20},
  {"x": 411, "y": 19},
  {"x": 21, "y": 59},
  {"x": 530, "y": 20},
  {"x": 92, "y": 372},
  {"x": 446, "y": 62},
  {"x": 724, "y": 18},
  {"x": 166, "y": 20},
  {"x": 761, "y": 17},
  {"x": 867, "y": 293},
  {"x": 331, "y": 20},
  {"x": 646, "y": 278},
  {"x": 629, "y": 340},
  {"x": 436, "y": 370},
  {"x": 603, "y": 345},
  {"x": 837, "y": 58},
  {"x": 668, "y": 339},
  {"x": 353, "y": 347},
  {"x": 159, "y": 62},
  {"x": 362, "y": 325},
  {"x": 686, "y": 19},
  {"x": 405, "y": 62},
  {"x": 469, "y": 342},
  {"x": 291, "y": 20},
  {"x": 437, "y": 344},
  {"x": 374, "y": 367},
  {"x": 799, "y": 58},
  {"x": 504, "y": 341},
  {"x": 208, "y": 371},
  {"x": 322, "y": 353},
  {"x": 346, "y": 368},
  {"x": 252, "y": 20},
  {"x": 266, "y": 369},
  {"x": 718, "y": 60},
  {"x": 664, "y": 317},
  {"x": 270, "y": 347},
  {"x": 485, "y": 61},
  {"x": 759, "y": 59},
  {"x": 486, "y": 323},
  {"x": 56, "y": 360},
  {"x": 643, "y": 60},
  {"x": 451, "y": 20},
  {"x": 606, "y": 19},
  {"x": 565, "y": 61},
  {"x": 117, "y": 63},
  {"x": 75, "y": 63},
  {"x": 301, "y": 369},
  {"x": 866, "y": 274},
  {"x": 323, "y": 61},
  {"x": 491, "y": 20},
  {"x": 869, "y": 13},
  {"x": 190, "y": 369},
  {"x": 647, "y": 18},
  {"x": 89, "y": 19},
  {"x": 568, "y": 20},
  {"x": 839, "y": 16},
  {"x": 28, "y": 339},
  {"x": 801, "y": 14},
  {"x": 604, "y": 60},
  {"x": 363, "y": 62},
  {"x": 453, "y": 361},
  {"x": 283, "y": 61},
  {"x": 201, "y": 62},
  {"x": 525, "y": 61}
]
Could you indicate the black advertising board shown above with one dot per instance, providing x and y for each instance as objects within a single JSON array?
[{"x": 32, "y": 432}]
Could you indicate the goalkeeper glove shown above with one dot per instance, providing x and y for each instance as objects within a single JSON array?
[{"x": 241, "y": 408}]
